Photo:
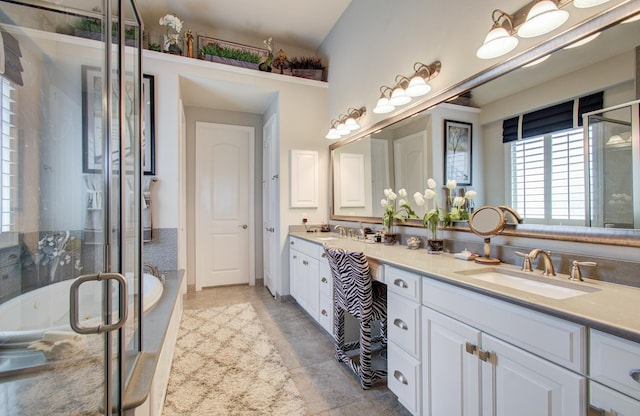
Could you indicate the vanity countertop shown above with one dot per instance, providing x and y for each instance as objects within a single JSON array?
[{"x": 612, "y": 308}]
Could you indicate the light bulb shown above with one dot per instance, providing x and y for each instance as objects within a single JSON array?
[
  {"x": 583, "y": 4},
  {"x": 351, "y": 124},
  {"x": 333, "y": 134},
  {"x": 398, "y": 97}
]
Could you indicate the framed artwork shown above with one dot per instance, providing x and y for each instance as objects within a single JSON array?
[
  {"x": 92, "y": 146},
  {"x": 205, "y": 40},
  {"x": 457, "y": 151}
]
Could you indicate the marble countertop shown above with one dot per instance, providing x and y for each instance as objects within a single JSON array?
[{"x": 607, "y": 307}]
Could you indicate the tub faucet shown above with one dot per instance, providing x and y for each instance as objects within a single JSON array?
[{"x": 546, "y": 257}]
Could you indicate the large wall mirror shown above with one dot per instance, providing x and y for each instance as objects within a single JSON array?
[{"x": 603, "y": 204}]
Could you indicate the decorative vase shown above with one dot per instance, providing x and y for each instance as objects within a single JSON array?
[
  {"x": 390, "y": 239},
  {"x": 413, "y": 243},
  {"x": 171, "y": 44},
  {"x": 435, "y": 246}
]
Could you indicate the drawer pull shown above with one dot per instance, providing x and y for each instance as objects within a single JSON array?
[
  {"x": 635, "y": 375},
  {"x": 324, "y": 312},
  {"x": 324, "y": 280},
  {"x": 484, "y": 355},
  {"x": 595, "y": 411},
  {"x": 400, "y": 324},
  {"x": 471, "y": 349},
  {"x": 401, "y": 283},
  {"x": 400, "y": 377}
]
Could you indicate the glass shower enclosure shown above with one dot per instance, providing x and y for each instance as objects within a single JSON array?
[
  {"x": 70, "y": 187},
  {"x": 614, "y": 161}
]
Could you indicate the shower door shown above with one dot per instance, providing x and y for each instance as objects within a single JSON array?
[{"x": 70, "y": 234}]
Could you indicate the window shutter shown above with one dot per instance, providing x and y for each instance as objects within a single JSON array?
[
  {"x": 547, "y": 120},
  {"x": 510, "y": 129}
]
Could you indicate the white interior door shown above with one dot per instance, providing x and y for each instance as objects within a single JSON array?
[
  {"x": 409, "y": 162},
  {"x": 269, "y": 209},
  {"x": 224, "y": 175}
]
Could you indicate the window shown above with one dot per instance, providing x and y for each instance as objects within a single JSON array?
[
  {"x": 9, "y": 174},
  {"x": 547, "y": 178}
]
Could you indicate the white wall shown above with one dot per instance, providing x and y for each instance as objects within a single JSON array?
[
  {"x": 375, "y": 40},
  {"x": 299, "y": 104}
]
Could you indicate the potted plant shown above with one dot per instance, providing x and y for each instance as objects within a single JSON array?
[
  {"x": 433, "y": 217},
  {"x": 394, "y": 210},
  {"x": 309, "y": 67},
  {"x": 230, "y": 56},
  {"x": 91, "y": 28}
]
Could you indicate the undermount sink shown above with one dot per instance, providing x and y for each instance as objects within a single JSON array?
[
  {"x": 326, "y": 238},
  {"x": 531, "y": 282}
]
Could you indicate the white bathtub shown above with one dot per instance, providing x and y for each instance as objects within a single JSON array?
[{"x": 28, "y": 317}]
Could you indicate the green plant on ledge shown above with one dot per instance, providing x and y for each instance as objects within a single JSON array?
[
  {"x": 305, "y": 62},
  {"x": 229, "y": 53}
]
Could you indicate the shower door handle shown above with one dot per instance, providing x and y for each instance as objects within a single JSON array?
[{"x": 74, "y": 300}]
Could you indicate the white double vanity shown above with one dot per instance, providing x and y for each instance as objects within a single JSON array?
[{"x": 462, "y": 344}]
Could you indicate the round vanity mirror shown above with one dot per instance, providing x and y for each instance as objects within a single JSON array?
[{"x": 487, "y": 221}]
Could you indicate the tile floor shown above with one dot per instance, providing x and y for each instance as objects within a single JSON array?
[{"x": 327, "y": 386}]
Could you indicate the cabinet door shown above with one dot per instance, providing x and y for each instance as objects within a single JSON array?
[
  {"x": 294, "y": 273},
  {"x": 518, "y": 383},
  {"x": 310, "y": 278},
  {"x": 605, "y": 401},
  {"x": 451, "y": 372}
]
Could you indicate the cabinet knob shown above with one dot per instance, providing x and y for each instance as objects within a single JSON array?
[
  {"x": 324, "y": 280},
  {"x": 400, "y": 377},
  {"x": 306, "y": 263},
  {"x": 635, "y": 375},
  {"x": 324, "y": 312},
  {"x": 471, "y": 349},
  {"x": 400, "y": 324},
  {"x": 401, "y": 283},
  {"x": 292, "y": 243}
]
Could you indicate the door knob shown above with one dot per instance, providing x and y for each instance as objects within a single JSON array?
[{"x": 244, "y": 226}]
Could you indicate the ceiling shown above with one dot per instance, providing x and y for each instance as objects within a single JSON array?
[{"x": 302, "y": 22}]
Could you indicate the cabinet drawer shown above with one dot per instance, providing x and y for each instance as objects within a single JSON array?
[
  {"x": 403, "y": 377},
  {"x": 612, "y": 362},
  {"x": 604, "y": 399},
  {"x": 402, "y": 282},
  {"x": 403, "y": 321},
  {"x": 325, "y": 313},
  {"x": 326, "y": 281},
  {"x": 553, "y": 338},
  {"x": 306, "y": 247}
]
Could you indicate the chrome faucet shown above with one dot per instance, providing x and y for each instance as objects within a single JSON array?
[
  {"x": 546, "y": 257},
  {"x": 343, "y": 231}
]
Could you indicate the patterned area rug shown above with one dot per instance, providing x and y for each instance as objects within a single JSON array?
[{"x": 225, "y": 364}]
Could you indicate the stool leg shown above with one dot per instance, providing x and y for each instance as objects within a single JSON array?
[
  {"x": 366, "y": 370},
  {"x": 383, "y": 333},
  {"x": 338, "y": 329}
]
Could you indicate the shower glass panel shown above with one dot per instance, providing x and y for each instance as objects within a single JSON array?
[
  {"x": 615, "y": 189},
  {"x": 69, "y": 203}
]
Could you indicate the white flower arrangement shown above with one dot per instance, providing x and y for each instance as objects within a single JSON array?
[{"x": 170, "y": 21}]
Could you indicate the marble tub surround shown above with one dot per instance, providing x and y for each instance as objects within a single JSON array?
[{"x": 612, "y": 308}]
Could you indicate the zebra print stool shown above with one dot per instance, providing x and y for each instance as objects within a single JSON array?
[{"x": 355, "y": 292}]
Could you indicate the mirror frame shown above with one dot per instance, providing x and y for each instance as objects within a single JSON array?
[{"x": 597, "y": 23}]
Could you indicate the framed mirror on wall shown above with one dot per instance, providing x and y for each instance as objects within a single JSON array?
[{"x": 507, "y": 90}]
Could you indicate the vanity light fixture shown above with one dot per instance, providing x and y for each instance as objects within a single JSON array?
[
  {"x": 583, "y": 4},
  {"x": 333, "y": 132},
  {"x": 383, "y": 105},
  {"x": 536, "y": 18},
  {"x": 543, "y": 17},
  {"x": 500, "y": 39},
  {"x": 346, "y": 123},
  {"x": 418, "y": 85},
  {"x": 583, "y": 41},
  {"x": 537, "y": 61},
  {"x": 398, "y": 95}
]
